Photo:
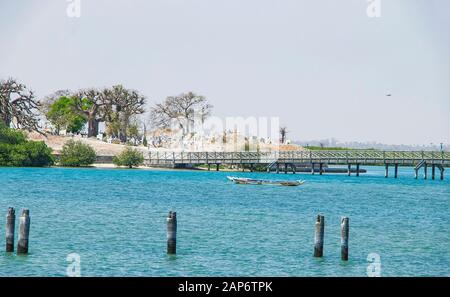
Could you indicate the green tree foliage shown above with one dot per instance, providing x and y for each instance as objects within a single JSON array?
[
  {"x": 76, "y": 153},
  {"x": 16, "y": 151},
  {"x": 64, "y": 115},
  {"x": 129, "y": 157},
  {"x": 144, "y": 141},
  {"x": 133, "y": 132}
]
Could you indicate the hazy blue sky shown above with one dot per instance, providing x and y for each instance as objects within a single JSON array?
[{"x": 323, "y": 67}]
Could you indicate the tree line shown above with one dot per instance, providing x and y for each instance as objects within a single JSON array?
[{"x": 118, "y": 107}]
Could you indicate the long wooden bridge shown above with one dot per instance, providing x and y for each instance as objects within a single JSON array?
[{"x": 315, "y": 160}]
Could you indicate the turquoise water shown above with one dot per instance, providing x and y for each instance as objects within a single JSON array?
[{"x": 115, "y": 220}]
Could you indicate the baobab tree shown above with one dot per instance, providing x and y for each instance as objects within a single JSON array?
[
  {"x": 182, "y": 109},
  {"x": 111, "y": 105},
  {"x": 92, "y": 103},
  {"x": 17, "y": 106},
  {"x": 123, "y": 105}
]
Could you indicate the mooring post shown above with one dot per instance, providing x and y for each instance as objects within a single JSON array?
[
  {"x": 172, "y": 233},
  {"x": 10, "y": 226},
  {"x": 433, "y": 171},
  {"x": 24, "y": 232},
  {"x": 319, "y": 235},
  {"x": 395, "y": 170},
  {"x": 357, "y": 169},
  {"x": 425, "y": 171},
  {"x": 386, "y": 170},
  {"x": 349, "y": 170},
  {"x": 344, "y": 238},
  {"x": 320, "y": 168}
]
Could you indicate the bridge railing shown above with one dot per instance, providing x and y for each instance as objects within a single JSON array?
[{"x": 292, "y": 156}]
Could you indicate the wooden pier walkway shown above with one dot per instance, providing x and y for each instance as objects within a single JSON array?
[{"x": 317, "y": 160}]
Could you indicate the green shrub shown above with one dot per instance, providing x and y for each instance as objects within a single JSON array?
[
  {"x": 76, "y": 153},
  {"x": 15, "y": 150},
  {"x": 11, "y": 136},
  {"x": 129, "y": 157}
]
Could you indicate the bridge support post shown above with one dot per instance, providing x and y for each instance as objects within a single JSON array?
[
  {"x": 344, "y": 238},
  {"x": 349, "y": 170},
  {"x": 357, "y": 169},
  {"x": 172, "y": 233},
  {"x": 24, "y": 232},
  {"x": 10, "y": 225},
  {"x": 251, "y": 167},
  {"x": 319, "y": 235},
  {"x": 386, "y": 170},
  {"x": 293, "y": 169},
  {"x": 312, "y": 168},
  {"x": 442, "y": 172},
  {"x": 425, "y": 171},
  {"x": 396, "y": 170},
  {"x": 217, "y": 167},
  {"x": 278, "y": 167},
  {"x": 320, "y": 168},
  {"x": 416, "y": 173},
  {"x": 209, "y": 167},
  {"x": 433, "y": 171},
  {"x": 285, "y": 168}
]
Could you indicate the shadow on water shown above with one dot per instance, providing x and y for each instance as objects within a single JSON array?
[
  {"x": 171, "y": 258},
  {"x": 12, "y": 256}
]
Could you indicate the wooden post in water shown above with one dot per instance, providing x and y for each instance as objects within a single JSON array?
[
  {"x": 209, "y": 167},
  {"x": 433, "y": 171},
  {"x": 172, "y": 233},
  {"x": 293, "y": 168},
  {"x": 24, "y": 232},
  {"x": 285, "y": 168},
  {"x": 442, "y": 172},
  {"x": 349, "y": 170},
  {"x": 357, "y": 169},
  {"x": 344, "y": 238},
  {"x": 312, "y": 168},
  {"x": 386, "y": 170},
  {"x": 320, "y": 168},
  {"x": 278, "y": 167},
  {"x": 416, "y": 173},
  {"x": 217, "y": 167},
  {"x": 10, "y": 225},
  {"x": 318, "y": 236},
  {"x": 395, "y": 170},
  {"x": 425, "y": 171}
]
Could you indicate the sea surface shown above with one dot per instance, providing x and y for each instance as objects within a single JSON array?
[{"x": 115, "y": 221}]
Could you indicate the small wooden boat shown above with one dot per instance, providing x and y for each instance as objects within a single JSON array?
[{"x": 251, "y": 181}]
